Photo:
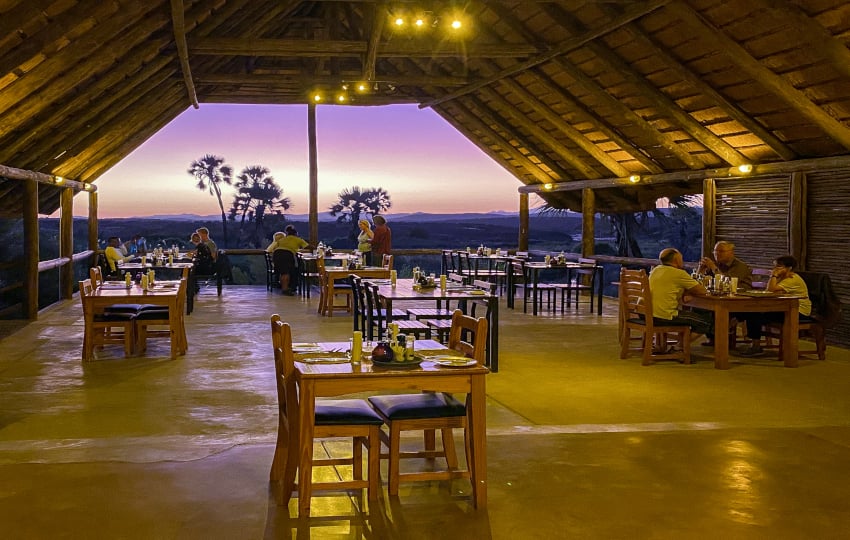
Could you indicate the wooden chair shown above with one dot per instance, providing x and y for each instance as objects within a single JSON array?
[
  {"x": 104, "y": 328},
  {"x": 387, "y": 262},
  {"x": 327, "y": 297},
  {"x": 272, "y": 280},
  {"x": 430, "y": 411},
  {"x": 760, "y": 277},
  {"x": 636, "y": 315},
  {"x": 154, "y": 315},
  {"x": 349, "y": 418},
  {"x": 584, "y": 280}
]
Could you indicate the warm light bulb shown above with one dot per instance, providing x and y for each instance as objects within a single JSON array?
[
  {"x": 746, "y": 168},
  {"x": 634, "y": 179},
  {"x": 420, "y": 23},
  {"x": 341, "y": 98},
  {"x": 362, "y": 87},
  {"x": 58, "y": 179},
  {"x": 456, "y": 24},
  {"x": 317, "y": 97},
  {"x": 399, "y": 21},
  {"x": 547, "y": 186}
]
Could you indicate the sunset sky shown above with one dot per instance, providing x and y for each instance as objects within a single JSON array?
[{"x": 421, "y": 160}]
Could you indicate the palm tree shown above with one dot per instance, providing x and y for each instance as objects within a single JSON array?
[
  {"x": 257, "y": 194},
  {"x": 355, "y": 202},
  {"x": 210, "y": 172}
]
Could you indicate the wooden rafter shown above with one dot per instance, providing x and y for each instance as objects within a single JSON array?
[
  {"x": 658, "y": 99},
  {"x": 764, "y": 76},
  {"x": 302, "y": 81},
  {"x": 371, "y": 56},
  {"x": 182, "y": 49},
  {"x": 564, "y": 48}
]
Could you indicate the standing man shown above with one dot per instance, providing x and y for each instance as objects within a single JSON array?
[
  {"x": 725, "y": 262},
  {"x": 382, "y": 240},
  {"x": 668, "y": 283},
  {"x": 205, "y": 238}
]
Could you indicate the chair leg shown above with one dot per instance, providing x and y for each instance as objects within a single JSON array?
[
  {"x": 449, "y": 449},
  {"x": 357, "y": 458},
  {"x": 374, "y": 463},
  {"x": 393, "y": 465}
]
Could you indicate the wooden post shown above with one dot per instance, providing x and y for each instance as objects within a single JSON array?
[
  {"x": 314, "y": 174},
  {"x": 30, "y": 279},
  {"x": 709, "y": 215},
  {"x": 66, "y": 243},
  {"x": 588, "y": 214},
  {"x": 797, "y": 219},
  {"x": 93, "y": 230},
  {"x": 522, "y": 244}
]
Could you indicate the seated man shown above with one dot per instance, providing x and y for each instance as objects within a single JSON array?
[
  {"x": 113, "y": 256},
  {"x": 726, "y": 263},
  {"x": 782, "y": 279},
  {"x": 668, "y": 283}
]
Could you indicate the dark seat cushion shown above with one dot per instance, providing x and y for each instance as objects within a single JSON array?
[
  {"x": 115, "y": 317},
  {"x": 152, "y": 314},
  {"x": 334, "y": 412},
  {"x": 416, "y": 406},
  {"x": 122, "y": 308}
]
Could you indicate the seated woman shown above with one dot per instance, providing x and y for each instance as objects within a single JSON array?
[
  {"x": 203, "y": 260},
  {"x": 783, "y": 279}
]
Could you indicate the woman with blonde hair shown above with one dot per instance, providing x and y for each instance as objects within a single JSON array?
[
  {"x": 364, "y": 240},
  {"x": 277, "y": 242}
]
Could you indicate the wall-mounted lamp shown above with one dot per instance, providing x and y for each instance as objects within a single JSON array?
[
  {"x": 634, "y": 179},
  {"x": 87, "y": 187},
  {"x": 547, "y": 186},
  {"x": 746, "y": 168},
  {"x": 58, "y": 179}
]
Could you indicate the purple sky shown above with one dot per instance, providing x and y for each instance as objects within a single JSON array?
[{"x": 421, "y": 160}]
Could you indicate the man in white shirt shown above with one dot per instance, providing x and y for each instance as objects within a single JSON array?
[{"x": 668, "y": 283}]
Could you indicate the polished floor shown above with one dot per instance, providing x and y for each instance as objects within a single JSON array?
[{"x": 581, "y": 444}]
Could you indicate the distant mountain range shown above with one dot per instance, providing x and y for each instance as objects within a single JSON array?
[{"x": 420, "y": 217}]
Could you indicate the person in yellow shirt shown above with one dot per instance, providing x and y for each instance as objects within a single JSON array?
[{"x": 113, "y": 255}]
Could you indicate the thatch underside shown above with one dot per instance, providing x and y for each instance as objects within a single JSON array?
[{"x": 554, "y": 91}]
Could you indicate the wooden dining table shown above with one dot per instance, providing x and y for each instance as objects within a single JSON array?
[
  {"x": 753, "y": 302},
  {"x": 404, "y": 291},
  {"x": 339, "y": 274},
  {"x": 533, "y": 270},
  {"x": 163, "y": 293},
  {"x": 315, "y": 380}
]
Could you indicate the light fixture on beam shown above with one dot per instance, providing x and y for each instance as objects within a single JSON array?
[
  {"x": 634, "y": 179},
  {"x": 745, "y": 168},
  {"x": 548, "y": 186},
  {"x": 58, "y": 180}
]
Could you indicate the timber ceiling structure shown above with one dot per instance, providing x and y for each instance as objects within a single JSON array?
[{"x": 554, "y": 91}]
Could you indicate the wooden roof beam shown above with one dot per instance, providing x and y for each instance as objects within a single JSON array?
[
  {"x": 779, "y": 148},
  {"x": 631, "y": 14},
  {"x": 652, "y": 94},
  {"x": 182, "y": 49},
  {"x": 42, "y": 178},
  {"x": 371, "y": 56},
  {"x": 590, "y": 117},
  {"x": 508, "y": 111},
  {"x": 646, "y": 129},
  {"x": 312, "y": 48},
  {"x": 766, "y": 169},
  {"x": 268, "y": 79},
  {"x": 764, "y": 76}
]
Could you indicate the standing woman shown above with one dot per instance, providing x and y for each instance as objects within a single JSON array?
[
  {"x": 364, "y": 240},
  {"x": 382, "y": 241}
]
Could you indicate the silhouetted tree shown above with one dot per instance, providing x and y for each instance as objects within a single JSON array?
[
  {"x": 210, "y": 172},
  {"x": 257, "y": 195},
  {"x": 355, "y": 202}
]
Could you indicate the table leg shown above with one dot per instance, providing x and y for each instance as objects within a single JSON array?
[
  {"x": 476, "y": 418},
  {"x": 599, "y": 275},
  {"x": 791, "y": 335},
  {"x": 534, "y": 277},
  {"x": 721, "y": 337},
  {"x": 173, "y": 325},
  {"x": 493, "y": 350}
]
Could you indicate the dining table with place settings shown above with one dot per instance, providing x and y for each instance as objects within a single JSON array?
[
  {"x": 405, "y": 291},
  {"x": 532, "y": 277},
  {"x": 162, "y": 293},
  {"x": 750, "y": 302},
  {"x": 323, "y": 369}
]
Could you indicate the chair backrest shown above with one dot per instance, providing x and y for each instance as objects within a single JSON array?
[
  {"x": 86, "y": 290},
  {"x": 475, "y": 343},
  {"x": 284, "y": 360},
  {"x": 517, "y": 269},
  {"x": 359, "y": 299},
  {"x": 826, "y": 307},
  {"x": 283, "y": 260},
  {"x": 446, "y": 256},
  {"x": 587, "y": 271},
  {"x": 760, "y": 277},
  {"x": 387, "y": 262},
  {"x": 373, "y": 307},
  {"x": 483, "y": 303},
  {"x": 96, "y": 276},
  {"x": 635, "y": 296},
  {"x": 463, "y": 262}
]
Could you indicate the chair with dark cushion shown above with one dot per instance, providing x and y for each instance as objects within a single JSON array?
[
  {"x": 430, "y": 411},
  {"x": 349, "y": 418},
  {"x": 285, "y": 264}
]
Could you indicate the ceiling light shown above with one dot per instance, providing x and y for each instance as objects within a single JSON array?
[
  {"x": 58, "y": 179},
  {"x": 456, "y": 24},
  {"x": 341, "y": 98},
  {"x": 316, "y": 97},
  {"x": 746, "y": 168},
  {"x": 399, "y": 21},
  {"x": 634, "y": 179},
  {"x": 547, "y": 186}
]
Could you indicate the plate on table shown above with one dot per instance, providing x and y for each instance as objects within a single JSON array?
[
  {"x": 397, "y": 365},
  {"x": 454, "y": 361},
  {"x": 325, "y": 360},
  {"x": 756, "y": 293}
]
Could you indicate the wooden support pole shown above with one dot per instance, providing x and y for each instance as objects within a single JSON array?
[
  {"x": 709, "y": 215},
  {"x": 522, "y": 245},
  {"x": 30, "y": 280},
  {"x": 588, "y": 214},
  {"x": 93, "y": 231},
  {"x": 797, "y": 219},
  {"x": 314, "y": 174},
  {"x": 66, "y": 243}
]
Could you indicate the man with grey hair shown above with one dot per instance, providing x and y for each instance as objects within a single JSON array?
[
  {"x": 724, "y": 262},
  {"x": 669, "y": 282}
]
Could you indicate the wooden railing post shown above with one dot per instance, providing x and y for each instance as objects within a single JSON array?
[
  {"x": 522, "y": 244},
  {"x": 66, "y": 242},
  {"x": 30, "y": 280}
]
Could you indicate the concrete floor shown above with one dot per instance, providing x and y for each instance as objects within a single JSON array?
[{"x": 581, "y": 444}]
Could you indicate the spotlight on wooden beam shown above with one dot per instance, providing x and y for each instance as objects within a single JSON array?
[
  {"x": 746, "y": 168},
  {"x": 634, "y": 179}
]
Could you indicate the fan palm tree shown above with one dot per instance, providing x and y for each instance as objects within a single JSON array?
[
  {"x": 257, "y": 195},
  {"x": 354, "y": 202},
  {"x": 210, "y": 172}
]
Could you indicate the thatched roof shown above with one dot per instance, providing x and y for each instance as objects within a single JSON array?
[{"x": 554, "y": 91}]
